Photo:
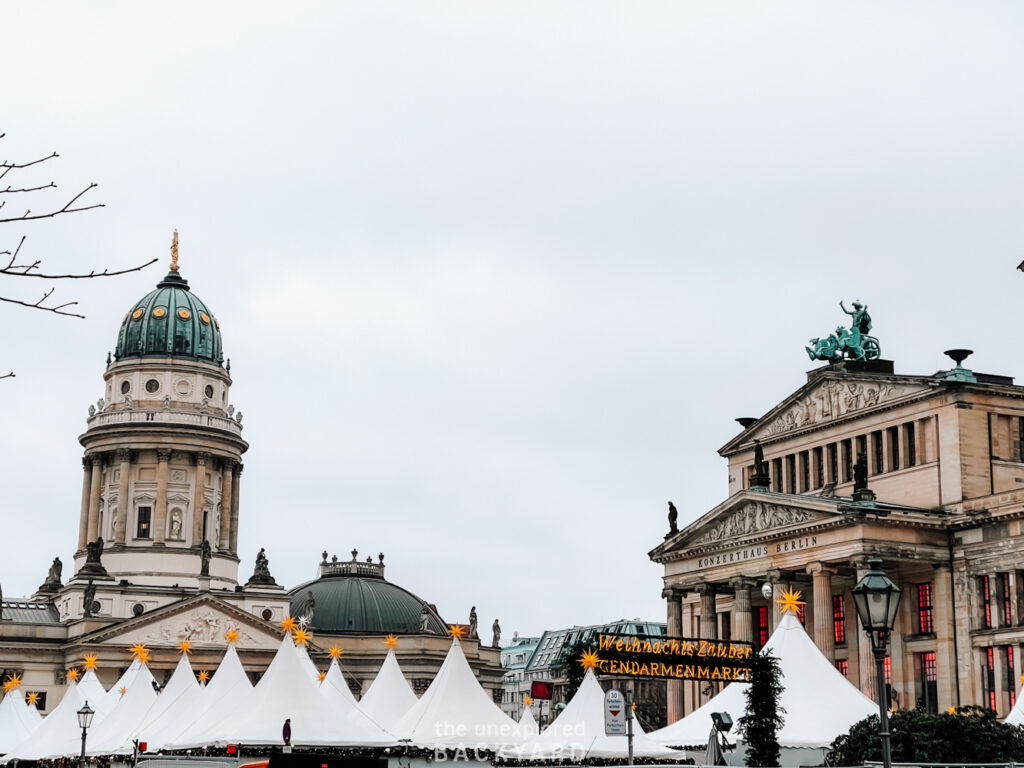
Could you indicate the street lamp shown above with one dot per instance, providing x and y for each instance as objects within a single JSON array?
[
  {"x": 877, "y": 600},
  {"x": 84, "y": 721}
]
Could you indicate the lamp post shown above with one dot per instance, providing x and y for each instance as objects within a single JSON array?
[
  {"x": 84, "y": 721},
  {"x": 877, "y": 600}
]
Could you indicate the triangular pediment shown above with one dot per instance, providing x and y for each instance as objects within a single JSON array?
[
  {"x": 751, "y": 515},
  {"x": 829, "y": 397},
  {"x": 203, "y": 621}
]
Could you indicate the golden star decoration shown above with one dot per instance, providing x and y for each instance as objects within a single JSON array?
[
  {"x": 124, "y": 690},
  {"x": 322, "y": 676},
  {"x": 288, "y": 624},
  {"x": 527, "y": 701},
  {"x": 184, "y": 647},
  {"x": 335, "y": 652},
  {"x": 72, "y": 674},
  {"x": 89, "y": 661},
  {"x": 204, "y": 676},
  {"x": 589, "y": 659},
  {"x": 11, "y": 683},
  {"x": 231, "y": 635},
  {"x": 790, "y": 602},
  {"x": 951, "y": 710},
  {"x": 302, "y": 636},
  {"x": 390, "y": 642},
  {"x": 140, "y": 652},
  {"x": 33, "y": 698},
  {"x": 456, "y": 630}
]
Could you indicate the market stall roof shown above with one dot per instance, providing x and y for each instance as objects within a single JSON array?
[
  {"x": 17, "y": 720},
  {"x": 528, "y": 727},
  {"x": 808, "y": 679},
  {"x": 335, "y": 689},
  {"x": 456, "y": 711},
  {"x": 578, "y": 733},
  {"x": 136, "y": 695},
  {"x": 389, "y": 696},
  {"x": 58, "y": 733},
  {"x": 1016, "y": 716}
]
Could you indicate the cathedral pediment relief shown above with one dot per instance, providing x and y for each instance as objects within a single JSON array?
[
  {"x": 834, "y": 399},
  {"x": 202, "y": 624},
  {"x": 750, "y": 519}
]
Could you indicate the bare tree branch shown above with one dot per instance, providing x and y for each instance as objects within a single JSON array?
[
  {"x": 25, "y": 270},
  {"x": 51, "y": 185},
  {"x": 29, "y": 216},
  {"x": 8, "y": 375},
  {"x": 57, "y": 310}
]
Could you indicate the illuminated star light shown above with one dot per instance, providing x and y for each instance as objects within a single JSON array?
[
  {"x": 124, "y": 690},
  {"x": 72, "y": 674},
  {"x": 11, "y": 683},
  {"x": 204, "y": 676},
  {"x": 231, "y": 636},
  {"x": 302, "y": 636},
  {"x": 184, "y": 647},
  {"x": 790, "y": 602},
  {"x": 527, "y": 700},
  {"x": 456, "y": 630},
  {"x": 288, "y": 624},
  {"x": 951, "y": 710},
  {"x": 589, "y": 659},
  {"x": 335, "y": 652},
  {"x": 89, "y": 661},
  {"x": 140, "y": 652},
  {"x": 322, "y": 676},
  {"x": 33, "y": 698},
  {"x": 390, "y": 642}
]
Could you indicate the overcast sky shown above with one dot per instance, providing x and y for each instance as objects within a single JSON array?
[{"x": 496, "y": 278}]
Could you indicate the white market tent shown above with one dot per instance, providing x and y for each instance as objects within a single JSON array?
[
  {"x": 287, "y": 692},
  {"x": 135, "y": 697},
  {"x": 18, "y": 720},
  {"x": 178, "y": 699},
  {"x": 91, "y": 689},
  {"x": 227, "y": 690},
  {"x": 578, "y": 733},
  {"x": 389, "y": 696},
  {"x": 820, "y": 703},
  {"x": 308, "y": 662},
  {"x": 335, "y": 689},
  {"x": 455, "y": 712},
  {"x": 1016, "y": 716},
  {"x": 528, "y": 727},
  {"x": 58, "y": 733}
]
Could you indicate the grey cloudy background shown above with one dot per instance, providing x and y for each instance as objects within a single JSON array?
[{"x": 496, "y": 278}]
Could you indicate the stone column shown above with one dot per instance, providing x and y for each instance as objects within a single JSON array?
[
  {"x": 824, "y": 634},
  {"x": 945, "y": 646},
  {"x": 1002, "y": 696},
  {"x": 83, "y": 520},
  {"x": 235, "y": 489},
  {"x": 198, "y": 498},
  {"x": 163, "y": 472},
  {"x": 775, "y": 578},
  {"x": 743, "y": 626},
  {"x": 691, "y": 699},
  {"x": 674, "y": 690},
  {"x": 124, "y": 458},
  {"x": 95, "y": 486},
  {"x": 227, "y": 475},
  {"x": 708, "y": 615},
  {"x": 865, "y": 657}
]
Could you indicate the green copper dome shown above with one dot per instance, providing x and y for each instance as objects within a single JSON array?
[
  {"x": 362, "y": 604},
  {"x": 170, "y": 321}
]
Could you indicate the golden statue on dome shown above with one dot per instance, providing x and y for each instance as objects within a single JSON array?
[{"x": 174, "y": 252}]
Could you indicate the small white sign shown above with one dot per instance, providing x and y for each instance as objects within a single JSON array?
[{"x": 614, "y": 713}]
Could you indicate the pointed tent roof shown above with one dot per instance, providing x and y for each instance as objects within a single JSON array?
[
  {"x": 1016, "y": 716},
  {"x": 389, "y": 696},
  {"x": 578, "y": 732},
  {"x": 17, "y": 721},
  {"x": 58, "y": 733},
  {"x": 455, "y": 701},
  {"x": 335, "y": 689},
  {"x": 227, "y": 690},
  {"x": 139, "y": 695},
  {"x": 286, "y": 691},
  {"x": 528, "y": 727},
  {"x": 808, "y": 679},
  {"x": 308, "y": 662},
  {"x": 91, "y": 689},
  {"x": 178, "y": 699}
]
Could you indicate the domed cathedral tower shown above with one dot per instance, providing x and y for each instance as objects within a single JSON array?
[{"x": 163, "y": 451}]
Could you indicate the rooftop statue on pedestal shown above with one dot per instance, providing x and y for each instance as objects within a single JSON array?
[{"x": 852, "y": 343}]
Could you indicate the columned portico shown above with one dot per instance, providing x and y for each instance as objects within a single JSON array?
[
  {"x": 708, "y": 612},
  {"x": 674, "y": 692},
  {"x": 824, "y": 635},
  {"x": 743, "y": 625}
]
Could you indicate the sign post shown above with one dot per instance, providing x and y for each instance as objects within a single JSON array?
[{"x": 618, "y": 718}]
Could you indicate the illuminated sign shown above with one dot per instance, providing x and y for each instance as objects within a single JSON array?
[{"x": 675, "y": 658}]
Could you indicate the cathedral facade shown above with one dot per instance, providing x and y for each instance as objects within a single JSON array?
[
  {"x": 941, "y": 456},
  {"x": 157, "y": 558}
]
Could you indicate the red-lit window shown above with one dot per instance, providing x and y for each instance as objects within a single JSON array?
[
  {"x": 762, "y": 624},
  {"x": 1007, "y": 594},
  {"x": 990, "y": 675},
  {"x": 887, "y": 666},
  {"x": 839, "y": 619},
  {"x": 928, "y": 667},
  {"x": 1010, "y": 676},
  {"x": 986, "y": 601},
  {"x": 800, "y": 613},
  {"x": 843, "y": 666},
  {"x": 925, "y": 622}
]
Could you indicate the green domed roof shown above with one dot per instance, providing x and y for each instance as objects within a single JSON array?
[
  {"x": 170, "y": 321},
  {"x": 362, "y": 604}
]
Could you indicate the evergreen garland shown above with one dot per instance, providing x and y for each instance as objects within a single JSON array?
[{"x": 763, "y": 718}]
